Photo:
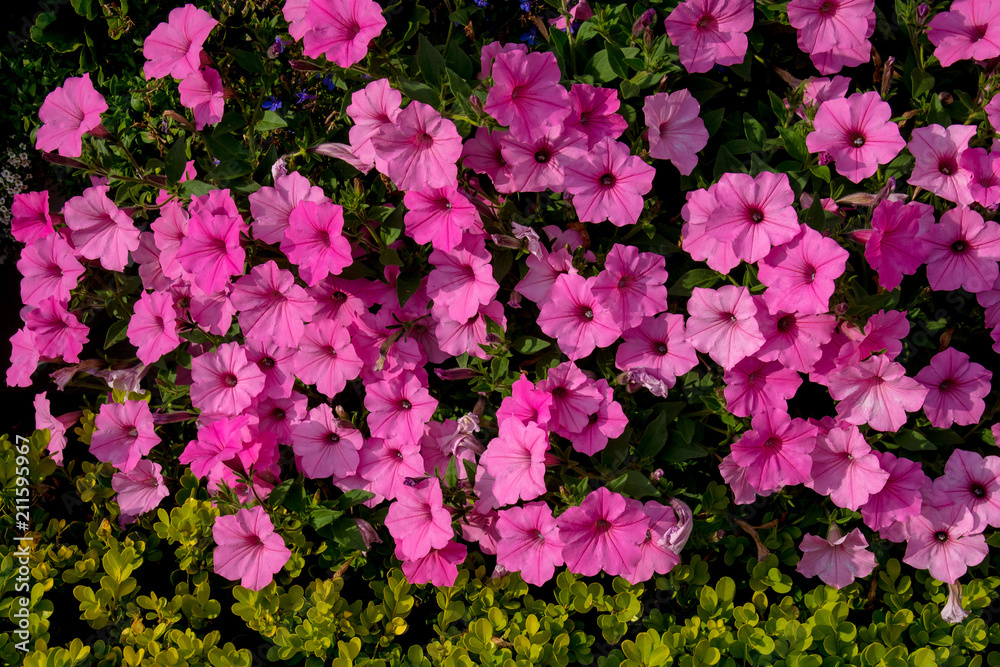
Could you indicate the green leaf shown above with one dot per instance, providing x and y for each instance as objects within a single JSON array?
[
  {"x": 323, "y": 516},
  {"x": 451, "y": 474},
  {"x": 913, "y": 441},
  {"x": 654, "y": 438},
  {"x": 60, "y": 36},
  {"x": 616, "y": 61},
  {"x": 725, "y": 163},
  {"x": 777, "y": 105},
  {"x": 420, "y": 92},
  {"x": 457, "y": 60},
  {"x": 754, "y": 130},
  {"x": 600, "y": 67},
  {"x": 430, "y": 60},
  {"x": 354, "y": 497},
  {"x": 694, "y": 278},
  {"x": 195, "y": 188},
  {"x": 815, "y": 215},
  {"x": 713, "y": 120},
  {"x": 921, "y": 82},
  {"x": 530, "y": 345},
  {"x": 407, "y": 285},
  {"x": 559, "y": 41},
  {"x": 794, "y": 142},
  {"x": 248, "y": 60},
  {"x": 270, "y": 121},
  {"x": 84, "y": 8},
  {"x": 176, "y": 160},
  {"x": 421, "y": 16},
  {"x": 228, "y": 170},
  {"x": 116, "y": 333}
]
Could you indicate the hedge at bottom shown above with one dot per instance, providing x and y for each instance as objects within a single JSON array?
[{"x": 146, "y": 596}]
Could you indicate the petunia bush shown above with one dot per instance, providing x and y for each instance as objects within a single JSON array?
[{"x": 357, "y": 309}]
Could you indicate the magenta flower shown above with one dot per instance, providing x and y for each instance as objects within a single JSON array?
[
  {"x": 439, "y": 216},
  {"x": 139, "y": 490},
  {"x": 945, "y": 542},
  {"x": 970, "y": 30},
  {"x": 44, "y": 419},
  {"x": 224, "y": 382},
  {"x": 938, "y": 152},
  {"x": 456, "y": 338},
  {"x": 658, "y": 346},
  {"x": 538, "y": 162},
  {"x": 68, "y": 113},
  {"x": 372, "y": 108},
  {"x": 884, "y": 330},
  {"x": 955, "y": 389},
  {"x": 399, "y": 407},
  {"x": 800, "y": 275},
  {"x": 900, "y": 498},
  {"x": 608, "y": 422},
  {"x": 985, "y": 170},
  {"x": 461, "y": 280},
  {"x": 963, "y": 250},
  {"x": 55, "y": 333},
  {"x": 273, "y": 309},
  {"x": 202, "y": 92},
  {"x": 314, "y": 241},
  {"x": 609, "y": 184},
  {"x": 575, "y": 317},
  {"x": 419, "y": 149},
  {"x": 248, "y": 548},
  {"x": 526, "y": 95},
  {"x": 326, "y": 357},
  {"x": 30, "y": 217},
  {"x": 211, "y": 251},
  {"x": 664, "y": 539},
  {"x": 876, "y": 392},
  {"x": 326, "y": 446},
  {"x": 840, "y": 56},
  {"x": 385, "y": 465},
  {"x": 676, "y": 130},
  {"x": 710, "y": 32},
  {"x": 218, "y": 442},
  {"x": 168, "y": 231},
  {"x": 341, "y": 29},
  {"x": 24, "y": 358},
  {"x": 701, "y": 207},
  {"x": 49, "y": 268},
  {"x": 844, "y": 468},
  {"x": 418, "y": 520},
  {"x": 970, "y": 481},
  {"x": 543, "y": 272},
  {"x": 124, "y": 434},
  {"x": 753, "y": 385},
  {"x": 174, "y": 48},
  {"x": 837, "y": 560},
  {"x": 153, "y": 327},
  {"x": 895, "y": 245},
  {"x": 775, "y": 453},
  {"x": 101, "y": 230},
  {"x": 595, "y": 113},
  {"x": 722, "y": 324},
  {"x": 271, "y": 207},
  {"x": 526, "y": 404},
  {"x": 794, "y": 340},
  {"x": 574, "y": 397},
  {"x": 818, "y": 90},
  {"x": 827, "y": 24},
  {"x": 754, "y": 214},
  {"x": 602, "y": 533},
  {"x": 857, "y": 132},
  {"x": 438, "y": 568},
  {"x": 483, "y": 153},
  {"x": 529, "y": 542},
  {"x": 516, "y": 458},
  {"x": 632, "y": 284}
]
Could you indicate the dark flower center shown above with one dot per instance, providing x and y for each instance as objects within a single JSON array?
[
  {"x": 230, "y": 380},
  {"x": 978, "y": 490},
  {"x": 979, "y": 31},
  {"x": 133, "y": 432},
  {"x": 945, "y": 385},
  {"x": 559, "y": 392},
  {"x": 756, "y": 215},
  {"x": 941, "y": 536},
  {"x": 608, "y": 180},
  {"x": 406, "y": 405},
  {"x": 661, "y": 349},
  {"x": 592, "y": 418},
  {"x": 515, "y": 92},
  {"x": 857, "y": 140},
  {"x": 947, "y": 166},
  {"x": 587, "y": 314},
  {"x": 267, "y": 361},
  {"x": 771, "y": 443},
  {"x": 959, "y": 246},
  {"x": 424, "y": 140},
  {"x": 602, "y": 524},
  {"x": 278, "y": 414},
  {"x": 707, "y": 22},
  {"x": 785, "y": 323},
  {"x": 542, "y": 156},
  {"x": 184, "y": 302},
  {"x": 339, "y": 296},
  {"x": 827, "y": 8},
  {"x": 333, "y": 438}
]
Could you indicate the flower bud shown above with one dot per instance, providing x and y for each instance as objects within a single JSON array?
[{"x": 643, "y": 22}]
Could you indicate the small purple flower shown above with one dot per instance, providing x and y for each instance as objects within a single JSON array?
[
  {"x": 530, "y": 37},
  {"x": 525, "y": 6},
  {"x": 481, "y": 3},
  {"x": 276, "y": 49},
  {"x": 328, "y": 82},
  {"x": 409, "y": 481},
  {"x": 302, "y": 96},
  {"x": 824, "y": 158},
  {"x": 272, "y": 103}
]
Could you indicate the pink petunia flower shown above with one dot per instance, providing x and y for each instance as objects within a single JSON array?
[
  {"x": 676, "y": 130},
  {"x": 962, "y": 251},
  {"x": 69, "y": 112},
  {"x": 722, "y": 324},
  {"x": 661, "y": 548},
  {"x": 895, "y": 245},
  {"x": 575, "y": 317},
  {"x": 419, "y": 149},
  {"x": 153, "y": 327},
  {"x": 837, "y": 560},
  {"x": 483, "y": 153},
  {"x": 800, "y": 275},
  {"x": 224, "y": 382},
  {"x": 248, "y": 550},
  {"x": 30, "y": 217},
  {"x": 945, "y": 542},
  {"x": 985, "y": 170},
  {"x": 885, "y": 330},
  {"x": 140, "y": 490},
  {"x": 341, "y": 30},
  {"x": 657, "y": 346},
  {"x": 326, "y": 357},
  {"x": 857, "y": 132},
  {"x": 271, "y": 207},
  {"x": 700, "y": 208},
  {"x": 608, "y": 422},
  {"x": 24, "y": 358},
  {"x": 314, "y": 241},
  {"x": 490, "y": 51},
  {"x": 876, "y": 392},
  {"x": 818, "y": 90},
  {"x": 529, "y": 542},
  {"x": 970, "y": 481},
  {"x": 438, "y": 568},
  {"x": 101, "y": 230},
  {"x": 602, "y": 533},
  {"x": 168, "y": 231},
  {"x": 526, "y": 403},
  {"x": 595, "y": 113},
  {"x": 124, "y": 434},
  {"x": 710, "y": 32},
  {"x": 754, "y": 214},
  {"x": 901, "y": 497},
  {"x": 55, "y": 332},
  {"x": 775, "y": 452},
  {"x": 202, "y": 92},
  {"x": 386, "y": 464},
  {"x": 826, "y": 24},
  {"x": 794, "y": 340},
  {"x": 439, "y": 216},
  {"x": 952, "y": 611},
  {"x": 211, "y": 251},
  {"x": 516, "y": 459},
  {"x": 538, "y": 162},
  {"x": 526, "y": 94},
  {"x": 220, "y": 441},
  {"x": 461, "y": 280},
  {"x": 754, "y": 385},
  {"x": 840, "y": 56},
  {"x": 373, "y": 107},
  {"x": 44, "y": 419},
  {"x": 938, "y": 151},
  {"x": 955, "y": 389},
  {"x": 970, "y": 30},
  {"x": 174, "y": 48},
  {"x": 48, "y": 268},
  {"x": 399, "y": 407},
  {"x": 844, "y": 468},
  {"x": 609, "y": 184},
  {"x": 418, "y": 520},
  {"x": 574, "y": 397},
  {"x": 326, "y": 446},
  {"x": 273, "y": 309}
]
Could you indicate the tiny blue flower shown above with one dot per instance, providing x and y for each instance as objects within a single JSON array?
[
  {"x": 530, "y": 37},
  {"x": 328, "y": 82},
  {"x": 525, "y": 5},
  {"x": 272, "y": 103},
  {"x": 302, "y": 96},
  {"x": 481, "y": 3}
]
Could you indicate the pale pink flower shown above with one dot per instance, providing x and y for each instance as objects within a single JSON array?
[
  {"x": 970, "y": 30},
  {"x": 602, "y": 533},
  {"x": 30, "y": 217},
  {"x": 538, "y": 162},
  {"x": 526, "y": 94},
  {"x": 900, "y": 498},
  {"x": 55, "y": 332},
  {"x": 483, "y": 153},
  {"x": 461, "y": 280},
  {"x": 938, "y": 151},
  {"x": 153, "y": 327},
  {"x": 754, "y": 385},
  {"x": 710, "y": 32},
  {"x": 326, "y": 446},
  {"x": 373, "y": 107},
  {"x": 722, "y": 324},
  {"x": 224, "y": 382},
  {"x": 399, "y": 407},
  {"x": 826, "y": 24},
  {"x": 754, "y": 214},
  {"x": 794, "y": 340},
  {"x": 202, "y": 92},
  {"x": 985, "y": 170},
  {"x": 168, "y": 231},
  {"x": 273, "y": 309},
  {"x": 248, "y": 548},
  {"x": 418, "y": 520},
  {"x": 575, "y": 317},
  {"x": 439, "y": 216},
  {"x": 140, "y": 490},
  {"x": 963, "y": 250},
  {"x": 24, "y": 358},
  {"x": 211, "y": 250},
  {"x": 69, "y": 112},
  {"x": 124, "y": 434},
  {"x": 632, "y": 284},
  {"x": 271, "y": 207},
  {"x": 48, "y": 268},
  {"x": 658, "y": 346},
  {"x": 945, "y": 542},
  {"x": 529, "y": 542},
  {"x": 420, "y": 149},
  {"x": 574, "y": 397},
  {"x": 876, "y": 392},
  {"x": 609, "y": 421},
  {"x": 595, "y": 113},
  {"x": 956, "y": 388},
  {"x": 971, "y": 481},
  {"x": 386, "y": 465},
  {"x": 952, "y": 612},
  {"x": 101, "y": 230},
  {"x": 844, "y": 468},
  {"x": 326, "y": 357},
  {"x": 696, "y": 240},
  {"x": 800, "y": 275},
  {"x": 837, "y": 560},
  {"x": 174, "y": 48},
  {"x": 218, "y": 442},
  {"x": 676, "y": 131},
  {"x": 314, "y": 241},
  {"x": 608, "y": 184},
  {"x": 438, "y": 568},
  {"x": 857, "y": 132},
  {"x": 516, "y": 459}
]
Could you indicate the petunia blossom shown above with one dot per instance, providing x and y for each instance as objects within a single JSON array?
[
  {"x": 48, "y": 268},
  {"x": 825, "y": 24},
  {"x": 123, "y": 434},
  {"x": 224, "y": 382},
  {"x": 575, "y": 317},
  {"x": 273, "y": 309},
  {"x": 526, "y": 94},
  {"x": 844, "y": 468},
  {"x": 938, "y": 168},
  {"x": 438, "y": 568},
  {"x": 341, "y": 30},
  {"x": 710, "y": 32},
  {"x": 722, "y": 324},
  {"x": 876, "y": 392},
  {"x": 800, "y": 275},
  {"x": 439, "y": 216},
  {"x": 901, "y": 497},
  {"x": 248, "y": 550},
  {"x": 529, "y": 542},
  {"x": 970, "y": 481},
  {"x": 326, "y": 357},
  {"x": 153, "y": 326},
  {"x": 516, "y": 458},
  {"x": 956, "y": 388},
  {"x": 754, "y": 385},
  {"x": 856, "y": 132},
  {"x": 326, "y": 446},
  {"x": 211, "y": 250},
  {"x": 754, "y": 214},
  {"x": 270, "y": 207},
  {"x": 969, "y": 30},
  {"x": 30, "y": 217},
  {"x": 609, "y": 184},
  {"x": 963, "y": 250},
  {"x": 101, "y": 230},
  {"x": 775, "y": 452},
  {"x": 399, "y": 407},
  {"x": 69, "y": 112},
  {"x": 837, "y": 560},
  {"x": 139, "y": 490},
  {"x": 174, "y": 48},
  {"x": 202, "y": 92},
  {"x": 595, "y": 113},
  {"x": 418, "y": 520},
  {"x": 895, "y": 245},
  {"x": 676, "y": 130},
  {"x": 657, "y": 346},
  {"x": 602, "y": 533},
  {"x": 314, "y": 240},
  {"x": 700, "y": 208},
  {"x": 945, "y": 542},
  {"x": 419, "y": 149}
]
